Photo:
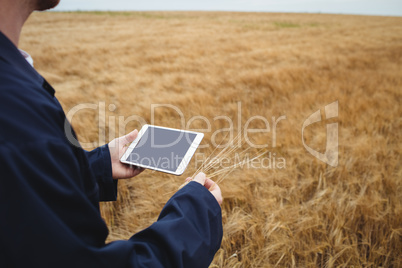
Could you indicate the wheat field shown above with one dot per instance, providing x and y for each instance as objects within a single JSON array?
[{"x": 304, "y": 213}]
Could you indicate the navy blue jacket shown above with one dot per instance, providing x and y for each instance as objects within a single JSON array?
[{"x": 50, "y": 191}]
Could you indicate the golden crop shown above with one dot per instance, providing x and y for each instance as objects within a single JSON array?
[{"x": 307, "y": 214}]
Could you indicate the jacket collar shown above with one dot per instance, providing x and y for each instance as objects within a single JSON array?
[{"x": 10, "y": 54}]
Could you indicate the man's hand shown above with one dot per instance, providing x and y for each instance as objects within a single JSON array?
[
  {"x": 210, "y": 185},
  {"x": 117, "y": 148}
]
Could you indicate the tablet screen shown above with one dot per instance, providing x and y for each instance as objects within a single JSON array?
[{"x": 161, "y": 148}]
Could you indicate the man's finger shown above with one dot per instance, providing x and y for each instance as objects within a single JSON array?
[
  {"x": 209, "y": 183},
  {"x": 130, "y": 137},
  {"x": 200, "y": 178}
]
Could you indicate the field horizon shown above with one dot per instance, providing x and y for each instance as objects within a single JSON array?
[
  {"x": 130, "y": 12},
  {"x": 214, "y": 72}
]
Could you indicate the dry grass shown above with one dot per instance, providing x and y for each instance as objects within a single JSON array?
[{"x": 305, "y": 215}]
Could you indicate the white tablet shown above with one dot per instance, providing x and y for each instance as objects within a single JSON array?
[{"x": 163, "y": 149}]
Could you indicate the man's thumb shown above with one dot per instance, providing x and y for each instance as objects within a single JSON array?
[
  {"x": 130, "y": 137},
  {"x": 200, "y": 178}
]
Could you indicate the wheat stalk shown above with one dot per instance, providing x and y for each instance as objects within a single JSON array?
[{"x": 209, "y": 165}]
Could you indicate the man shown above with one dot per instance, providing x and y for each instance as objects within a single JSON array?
[{"x": 50, "y": 188}]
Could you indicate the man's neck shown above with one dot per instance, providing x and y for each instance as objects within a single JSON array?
[{"x": 13, "y": 14}]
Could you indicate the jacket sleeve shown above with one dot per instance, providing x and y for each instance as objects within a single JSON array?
[
  {"x": 101, "y": 166},
  {"x": 49, "y": 221},
  {"x": 188, "y": 232}
]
